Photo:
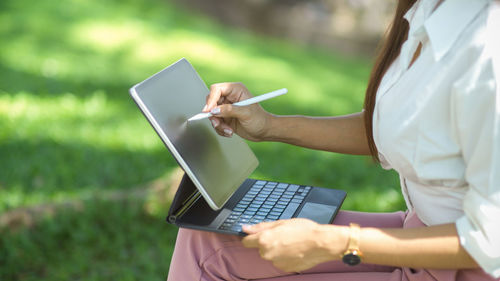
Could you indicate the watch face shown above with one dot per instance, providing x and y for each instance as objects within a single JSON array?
[{"x": 351, "y": 259}]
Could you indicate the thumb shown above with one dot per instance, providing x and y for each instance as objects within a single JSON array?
[{"x": 231, "y": 111}]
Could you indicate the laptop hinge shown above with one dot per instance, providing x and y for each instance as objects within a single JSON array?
[{"x": 185, "y": 206}]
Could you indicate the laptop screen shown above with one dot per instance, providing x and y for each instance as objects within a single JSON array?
[{"x": 217, "y": 165}]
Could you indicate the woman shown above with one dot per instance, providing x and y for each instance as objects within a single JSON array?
[{"x": 432, "y": 113}]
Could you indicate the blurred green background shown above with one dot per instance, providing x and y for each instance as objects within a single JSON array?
[{"x": 84, "y": 180}]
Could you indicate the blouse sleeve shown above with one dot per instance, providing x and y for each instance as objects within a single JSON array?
[{"x": 475, "y": 108}]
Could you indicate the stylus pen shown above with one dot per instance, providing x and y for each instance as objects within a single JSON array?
[{"x": 250, "y": 101}]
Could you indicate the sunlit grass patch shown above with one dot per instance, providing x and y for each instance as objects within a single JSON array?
[{"x": 91, "y": 120}]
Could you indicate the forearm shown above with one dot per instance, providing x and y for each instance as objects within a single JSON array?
[
  {"x": 436, "y": 247},
  {"x": 342, "y": 134}
]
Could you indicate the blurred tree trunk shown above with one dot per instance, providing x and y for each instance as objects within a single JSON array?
[{"x": 348, "y": 26}]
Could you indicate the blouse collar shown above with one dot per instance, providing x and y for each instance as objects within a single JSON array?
[{"x": 442, "y": 26}]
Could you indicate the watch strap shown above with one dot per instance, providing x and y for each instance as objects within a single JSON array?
[{"x": 354, "y": 233}]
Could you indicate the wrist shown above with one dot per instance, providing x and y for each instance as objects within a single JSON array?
[
  {"x": 334, "y": 240},
  {"x": 271, "y": 128},
  {"x": 352, "y": 256}
]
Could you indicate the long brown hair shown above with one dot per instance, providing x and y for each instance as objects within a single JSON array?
[{"x": 388, "y": 51}]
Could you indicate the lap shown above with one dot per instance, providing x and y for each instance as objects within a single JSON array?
[
  {"x": 219, "y": 254},
  {"x": 207, "y": 256}
]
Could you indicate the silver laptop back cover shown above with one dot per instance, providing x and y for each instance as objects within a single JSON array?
[{"x": 216, "y": 165}]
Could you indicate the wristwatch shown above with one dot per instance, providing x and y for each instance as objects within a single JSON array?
[{"x": 352, "y": 256}]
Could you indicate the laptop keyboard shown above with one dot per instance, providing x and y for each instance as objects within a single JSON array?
[{"x": 266, "y": 201}]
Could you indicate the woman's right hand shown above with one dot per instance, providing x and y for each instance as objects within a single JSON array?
[{"x": 251, "y": 122}]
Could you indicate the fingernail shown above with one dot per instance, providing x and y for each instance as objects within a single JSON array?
[
  {"x": 215, "y": 123},
  {"x": 246, "y": 226},
  {"x": 215, "y": 111},
  {"x": 228, "y": 132},
  {"x": 204, "y": 108}
]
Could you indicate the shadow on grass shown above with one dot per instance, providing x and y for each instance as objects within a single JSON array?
[
  {"x": 101, "y": 241},
  {"x": 43, "y": 169}
]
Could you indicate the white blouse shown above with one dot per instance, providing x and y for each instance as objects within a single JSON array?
[{"x": 437, "y": 122}]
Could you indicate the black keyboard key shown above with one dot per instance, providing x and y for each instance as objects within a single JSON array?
[
  {"x": 271, "y": 200},
  {"x": 281, "y": 204},
  {"x": 282, "y": 185},
  {"x": 234, "y": 217},
  {"x": 293, "y": 187},
  {"x": 251, "y": 213},
  {"x": 279, "y": 209},
  {"x": 237, "y": 228},
  {"x": 262, "y": 213},
  {"x": 285, "y": 200},
  {"x": 253, "y": 221},
  {"x": 289, "y": 211},
  {"x": 267, "y": 206},
  {"x": 249, "y": 197},
  {"x": 241, "y": 205}
]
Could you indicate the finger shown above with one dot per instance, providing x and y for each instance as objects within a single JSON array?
[
  {"x": 215, "y": 121},
  {"x": 232, "y": 111},
  {"x": 222, "y": 100},
  {"x": 221, "y": 132},
  {"x": 216, "y": 92},
  {"x": 221, "y": 127},
  {"x": 226, "y": 130},
  {"x": 226, "y": 93},
  {"x": 251, "y": 241}
]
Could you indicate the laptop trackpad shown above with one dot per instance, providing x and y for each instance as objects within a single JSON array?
[{"x": 319, "y": 213}]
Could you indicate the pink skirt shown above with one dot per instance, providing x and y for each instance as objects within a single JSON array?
[{"x": 207, "y": 256}]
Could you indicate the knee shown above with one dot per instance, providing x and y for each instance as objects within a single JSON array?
[
  {"x": 201, "y": 244},
  {"x": 201, "y": 253}
]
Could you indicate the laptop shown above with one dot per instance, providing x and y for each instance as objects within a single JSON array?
[{"x": 215, "y": 193}]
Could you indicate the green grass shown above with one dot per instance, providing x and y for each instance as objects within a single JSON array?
[{"x": 69, "y": 131}]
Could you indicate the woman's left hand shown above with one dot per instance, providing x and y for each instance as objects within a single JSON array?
[{"x": 297, "y": 244}]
